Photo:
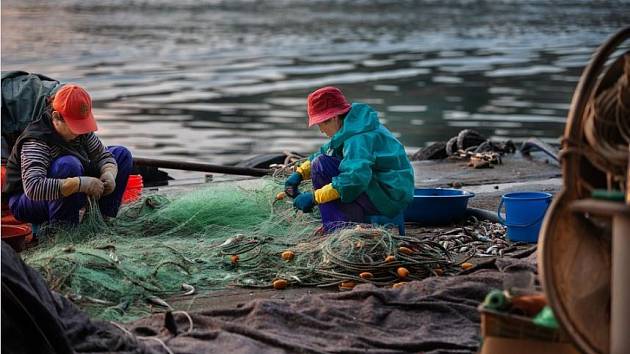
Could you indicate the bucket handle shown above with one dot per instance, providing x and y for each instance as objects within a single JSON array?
[{"x": 504, "y": 222}]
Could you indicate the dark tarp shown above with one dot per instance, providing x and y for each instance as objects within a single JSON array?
[
  {"x": 436, "y": 315},
  {"x": 24, "y": 97},
  {"x": 37, "y": 320}
]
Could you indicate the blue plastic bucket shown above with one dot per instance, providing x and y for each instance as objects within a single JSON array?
[
  {"x": 437, "y": 206},
  {"x": 524, "y": 212}
]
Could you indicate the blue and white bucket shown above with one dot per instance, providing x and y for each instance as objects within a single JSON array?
[{"x": 524, "y": 212}]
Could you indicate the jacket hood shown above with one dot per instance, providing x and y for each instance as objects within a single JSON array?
[{"x": 360, "y": 119}]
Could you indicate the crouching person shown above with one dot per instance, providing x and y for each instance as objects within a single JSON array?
[
  {"x": 57, "y": 162},
  {"x": 362, "y": 171}
]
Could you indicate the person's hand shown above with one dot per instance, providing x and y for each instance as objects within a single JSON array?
[
  {"x": 304, "y": 202},
  {"x": 109, "y": 182},
  {"x": 292, "y": 183},
  {"x": 91, "y": 186}
]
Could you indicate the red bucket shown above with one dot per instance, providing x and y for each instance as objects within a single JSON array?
[
  {"x": 133, "y": 190},
  {"x": 16, "y": 235},
  {"x": 5, "y": 205},
  {"x": 3, "y": 175},
  {"x": 9, "y": 219}
]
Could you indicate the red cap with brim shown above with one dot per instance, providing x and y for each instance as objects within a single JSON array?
[
  {"x": 324, "y": 104},
  {"x": 75, "y": 106}
]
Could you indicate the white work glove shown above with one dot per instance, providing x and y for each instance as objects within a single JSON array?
[
  {"x": 109, "y": 181},
  {"x": 91, "y": 186}
]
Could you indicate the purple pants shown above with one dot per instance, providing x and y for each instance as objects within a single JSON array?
[
  {"x": 336, "y": 213},
  {"x": 66, "y": 210}
]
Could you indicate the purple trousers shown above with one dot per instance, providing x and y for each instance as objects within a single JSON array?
[
  {"x": 336, "y": 213},
  {"x": 66, "y": 210}
]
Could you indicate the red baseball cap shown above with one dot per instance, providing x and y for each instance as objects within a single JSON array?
[
  {"x": 75, "y": 106},
  {"x": 325, "y": 103}
]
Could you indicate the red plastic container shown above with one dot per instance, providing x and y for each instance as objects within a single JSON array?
[
  {"x": 9, "y": 219},
  {"x": 16, "y": 235},
  {"x": 3, "y": 174},
  {"x": 5, "y": 204},
  {"x": 133, "y": 190}
]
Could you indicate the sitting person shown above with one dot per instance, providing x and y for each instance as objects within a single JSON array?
[
  {"x": 362, "y": 171},
  {"x": 57, "y": 162}
]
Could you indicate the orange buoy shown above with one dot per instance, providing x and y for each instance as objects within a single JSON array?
[
  {"x": 288, "y": 255},
  {"x": 402, "y": 272},
  {"x": 405, "y": 250},
  {"x": 390, "y": 259},
  {"x": 366, "y": 275},
  {"x": 399, "y": 284},
  {"x": 280, "y": 284},
  {"x": 234, "y": 259},
  {"x": 347, "y": 285},
  {"x": 466, "y": 265}
]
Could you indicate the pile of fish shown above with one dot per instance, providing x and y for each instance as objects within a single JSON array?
[{"x": 476, "y": 238}]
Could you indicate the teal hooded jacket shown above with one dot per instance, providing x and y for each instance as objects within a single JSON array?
[{"x": 372, "y": 161}]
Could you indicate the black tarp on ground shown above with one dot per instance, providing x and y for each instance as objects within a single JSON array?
[
  {"x": 436, "y": 315},
  {"x": 36, "y": 320}
]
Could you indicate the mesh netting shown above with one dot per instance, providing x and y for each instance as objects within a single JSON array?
[{"x": 214, "y": 237}]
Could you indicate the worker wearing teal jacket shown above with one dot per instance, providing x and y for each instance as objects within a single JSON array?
[{"x": 363, "y": 170}]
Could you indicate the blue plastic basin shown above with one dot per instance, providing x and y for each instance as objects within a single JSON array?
[{"x": 437, "y": 206}]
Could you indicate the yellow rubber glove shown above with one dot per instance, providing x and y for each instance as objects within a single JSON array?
[
  {"x": 326, "y": 194},
  {"x": 305, "y": 169}
]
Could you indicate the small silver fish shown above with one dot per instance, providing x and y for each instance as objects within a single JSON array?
[
  {"x": 453, "y": 231},
  {"x": 157, "y": 301},
  {"x": 231, "y": 240},
  {"x": 189, "y": 289},
  {"x": 483, "y": 238},
  {"x": 77, "y": 298},
  {"x": 491, "y": 249}
]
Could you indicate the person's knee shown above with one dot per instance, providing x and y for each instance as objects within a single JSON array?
[
  {"x": 324, "y": 165},
  {"x": 66, "y": 166},
  {"x": 122, "y": 155},
  {"x": 26, "y": 210},
  {"x": 13, "y": 206},
  {"x": 317, "y": 165}
]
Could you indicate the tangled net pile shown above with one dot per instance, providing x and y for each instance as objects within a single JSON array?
[{"x": 214, "y": 237}]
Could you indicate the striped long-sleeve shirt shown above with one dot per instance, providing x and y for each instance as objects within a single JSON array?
[{"x": 37, "y": 157}]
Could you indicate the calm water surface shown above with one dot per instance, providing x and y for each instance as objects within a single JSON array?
[{"x": 218, "y": 81}]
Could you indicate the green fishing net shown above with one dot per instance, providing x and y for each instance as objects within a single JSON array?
[{"x": 213, "y": 237}]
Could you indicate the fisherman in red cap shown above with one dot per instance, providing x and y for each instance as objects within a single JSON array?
[
  {"x": 57, "y": 162},
  {"x": 362, "y": 171}
]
